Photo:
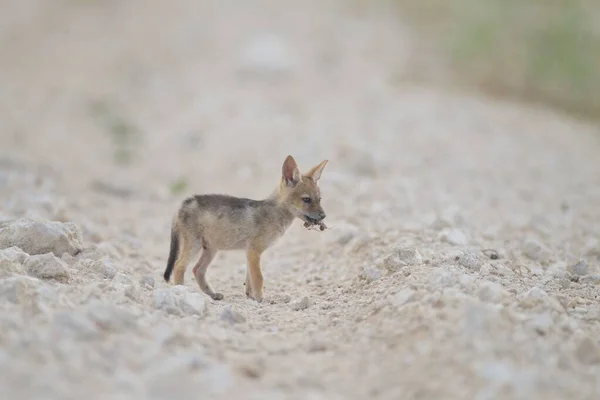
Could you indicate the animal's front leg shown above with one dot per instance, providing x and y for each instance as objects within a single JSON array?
[{"x": 255, "y": 289}]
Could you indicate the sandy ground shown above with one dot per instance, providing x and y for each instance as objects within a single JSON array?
[{"x": 400, "y": 299}]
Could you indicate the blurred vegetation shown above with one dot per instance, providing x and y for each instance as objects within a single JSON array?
[
  {"x": 124, "y": 133},
  {"x": 178, "y": 186},
  {"x": 545, "y": 51}
]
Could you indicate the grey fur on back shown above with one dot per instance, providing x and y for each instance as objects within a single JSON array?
[{"x": 226, "y": 222}]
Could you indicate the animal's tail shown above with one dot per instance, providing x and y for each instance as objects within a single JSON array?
[{"x": 173, "y": 253}]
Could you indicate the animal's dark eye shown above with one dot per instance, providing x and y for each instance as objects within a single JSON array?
[{"x": 306, "y": 200}]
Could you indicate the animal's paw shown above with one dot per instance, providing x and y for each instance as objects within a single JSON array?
[
  {"x": 217, "y": 296},
  {"x": 257, "y": 298}
]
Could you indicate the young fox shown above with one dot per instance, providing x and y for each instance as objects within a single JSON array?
[{"x": 215, "y": 222}]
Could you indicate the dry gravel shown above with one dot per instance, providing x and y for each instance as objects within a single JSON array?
[{"x": 462, "y": 259}]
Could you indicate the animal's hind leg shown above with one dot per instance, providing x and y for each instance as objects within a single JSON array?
[
  {"x": 247, "y": 283},
  {"x": 186, "y": 253},
  {"x": 199, "y": 270}
]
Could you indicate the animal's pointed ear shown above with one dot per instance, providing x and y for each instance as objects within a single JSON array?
[
  {"x": 290, "y": 172},
  {"x": 315, "y": 172}
]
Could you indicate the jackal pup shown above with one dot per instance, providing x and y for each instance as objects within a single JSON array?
[{"x": 214, "y": 222}]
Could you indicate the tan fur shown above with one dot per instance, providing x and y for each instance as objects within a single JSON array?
[{"x": 211, "y": 223}]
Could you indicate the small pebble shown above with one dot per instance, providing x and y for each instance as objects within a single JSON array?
[
  {"x": 369, "y": 274},
  {"x": 491, "y": 253},
  {"x": 147, "y": 281},
  {"x": 533, "y": 250},
  {"x": 302, "y": 304},
  {"x": 454, "y": 236},
  {"x": 402, "y": 257},
  {"x": 581, "y": 268},
  {"x": 469, "y": 260}
]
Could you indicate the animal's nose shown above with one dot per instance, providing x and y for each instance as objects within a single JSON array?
[{"x": 322, "y": 215}]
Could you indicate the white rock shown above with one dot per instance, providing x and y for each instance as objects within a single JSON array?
[
  {"x": 491, "y": 292},
  {"x": 454, "y": 236},
  {"x": 14, "y": 254},
  {"x": 533, "y": 250},
  {"x": 401, "y": 257},
  {"x": 502, "y": 270},
  {"x": 165, "y": 299},
  {"x": 303, "y": 304},
  {"x": 123, "y": 279},
  {"x": 47, "y": 266},
  {"x": 534, "y": 296},
  {"x": 558, "y": 270},
  {"x": 564, "y": 283},
  {"x": 69, "y": 259},
  {"x": 193, "y": 304},
  {"x": 39, "y": 237},
  {"x": 127, "y": 286},
  {"x": 132, "y": 292},
  {"x": 280, "y": 298},
  {"x": 232, "y": 316},
  {"x": 470, "y": 260},
  {"x": 370, "y": 274},
  {"x": 402, "y": 297},
  {"x": 485, "y": 270},
  {"x": 147, "y": 281},
  {"x": 102, "y": 268},
  {"x": 109, "y": 250},
  {"x": 9, "y": 265},
  {"x": 581, "y": 268},
  {"x": 178, "y": 300},
  {"x": 536, "y": 271}
]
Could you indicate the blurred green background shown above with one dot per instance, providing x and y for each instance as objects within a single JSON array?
[{"x": 545, "y": 51}]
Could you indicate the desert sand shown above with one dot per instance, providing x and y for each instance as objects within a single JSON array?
[{"x": 462, "y": 259}]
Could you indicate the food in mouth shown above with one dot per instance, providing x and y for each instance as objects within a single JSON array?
[{"x": 312, "y": 223}]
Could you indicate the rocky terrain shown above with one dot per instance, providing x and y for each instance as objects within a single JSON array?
[{"x": 462, "y": 259}]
